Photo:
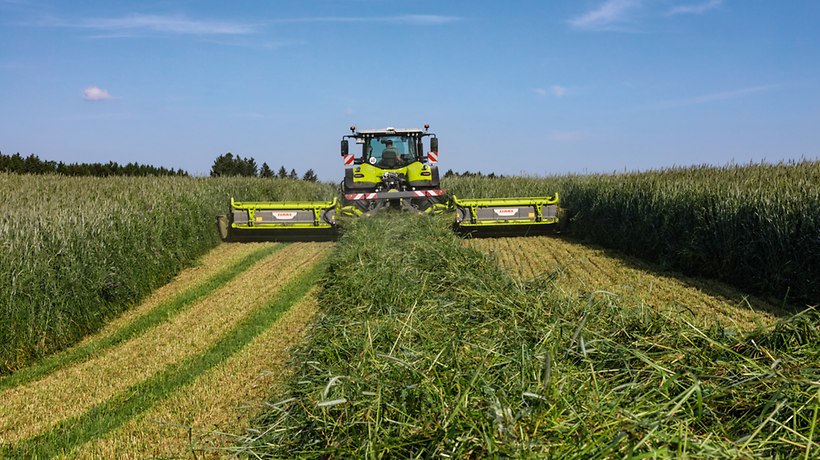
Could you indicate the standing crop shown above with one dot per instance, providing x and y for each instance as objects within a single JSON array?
[
  {"x": 755, "y": 226},
  {"x": 75, "y": 252}
]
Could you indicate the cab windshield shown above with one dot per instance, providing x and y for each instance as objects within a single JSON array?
[{"x": 390, "y": 151}]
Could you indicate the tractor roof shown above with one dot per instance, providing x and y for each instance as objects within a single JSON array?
[{"x": 390, "y": 131}]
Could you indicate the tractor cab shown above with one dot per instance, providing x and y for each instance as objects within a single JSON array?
[
  {"x": 392, "y": 170},
  {"x": 390, "y": 152},
  {"x": 389, "y": 148}
]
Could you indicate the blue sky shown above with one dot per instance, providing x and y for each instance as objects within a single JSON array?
[{"x": 537, "y": 87}]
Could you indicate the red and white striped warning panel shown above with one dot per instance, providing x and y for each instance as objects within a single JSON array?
[
  {"x": 348, "y": 160},
  {"x": 433, "y": 157},
  {"x": 393, "y": 194},
  {"x": 428, "y": 192},
  {"x": 360, "y": 196}
]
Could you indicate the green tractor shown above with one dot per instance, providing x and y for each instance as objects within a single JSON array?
[{"x": 390, "y": 171}]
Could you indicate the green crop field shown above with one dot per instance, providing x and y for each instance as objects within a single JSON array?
[
  {"x": 675, "y": 317},
  {"x": 755, "y": 226},
  {"x": 427, "y": 349},
  {"x": 77, "y": 251}
]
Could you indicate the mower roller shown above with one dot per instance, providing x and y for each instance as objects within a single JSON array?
[{"x": 392, "y": 171}]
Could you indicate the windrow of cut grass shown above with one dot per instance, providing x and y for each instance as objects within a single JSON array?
[
  {"x": 205, "y": 419},
  {"x": 755, "y": 226},
  {"x": 76, "y": 252},
  {"x": 71, "y": 407},
  {"x": 427, "y": 349},
  {"x": 152, "y": 313},
  {"x": 35, "y": 408},
  {"x": 578, "y": 270}
]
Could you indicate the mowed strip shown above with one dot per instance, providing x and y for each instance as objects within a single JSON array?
[
  {"x": 581, "y": 270},
  {"x": 30, "y": 410},
  {"x": 211, "y": 264},
  {"x": 140, "y": 398},
  {"x": 158, "y": 308},
  {"x": 207, "y": 416}
]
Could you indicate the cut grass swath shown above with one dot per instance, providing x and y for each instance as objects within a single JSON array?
[
  {"x": 427, "y": 349},
  {"x": 139, "y": 324},
  {"x": 33, "y": 409},
  {"x": 112, "y": 414},
  {"x": 577, "y": 270},
  {"x": 206, "y": 417}
]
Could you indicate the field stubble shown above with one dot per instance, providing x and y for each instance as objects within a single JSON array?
[
  {"x": 208, "y": 417},
  {"x": 32, "y": 409},
  {"x": 578, "y": 271},
  {"x": 215, "y": 260}
]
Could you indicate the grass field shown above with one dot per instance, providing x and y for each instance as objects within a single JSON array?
[
  {"x": 128, "y": 332},
  {"x": 76, "y": 252},
  {"x": 579, "y": 271},
  {"x": 428, "y": 349},
  {"x": 754, "y": 226},
  {"x": 112, "y": 399},
  {"x": 210, "y": 415}
]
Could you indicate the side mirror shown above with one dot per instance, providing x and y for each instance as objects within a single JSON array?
[
  {"x": 434, "y": 144},
  {"x": 344, "y": 147}
]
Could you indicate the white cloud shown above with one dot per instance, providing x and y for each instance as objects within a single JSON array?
[
  {"x": 719, "y": 96},
  {"x": 697, "y": 8},
  {"x": 93, "y": 93},
  {"x": 606, "y": 16},
  {"x": 426, "y": 19},
  {"x": 139, "y": 24},
  {"x": 411, "y": 19},
  {"x": 245, "y": 42},
  {"x": 166, "y": 24},
  {"x": 555, "y": 90}
]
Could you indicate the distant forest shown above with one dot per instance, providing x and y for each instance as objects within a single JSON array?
[
  {"x": 34, "y": 165},
  {"x": 492, "y": 175},
  {"x": 234, "y": 165},
  {"x": 224, "y": 165}
]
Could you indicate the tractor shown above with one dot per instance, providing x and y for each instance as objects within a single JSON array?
[{"x": 391, "y": 170}]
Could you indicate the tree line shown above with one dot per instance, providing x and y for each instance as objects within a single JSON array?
[
  {"x": 224, "y": 165},
  {"x": 32, "y": 164},
  {"x": 234, "y": 165},
  {"x": 492, "y": 175}
]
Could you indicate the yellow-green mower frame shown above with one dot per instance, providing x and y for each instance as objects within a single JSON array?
[
  {"x": 503, "y": 216},
  {"x": 279, "y": 221}
]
